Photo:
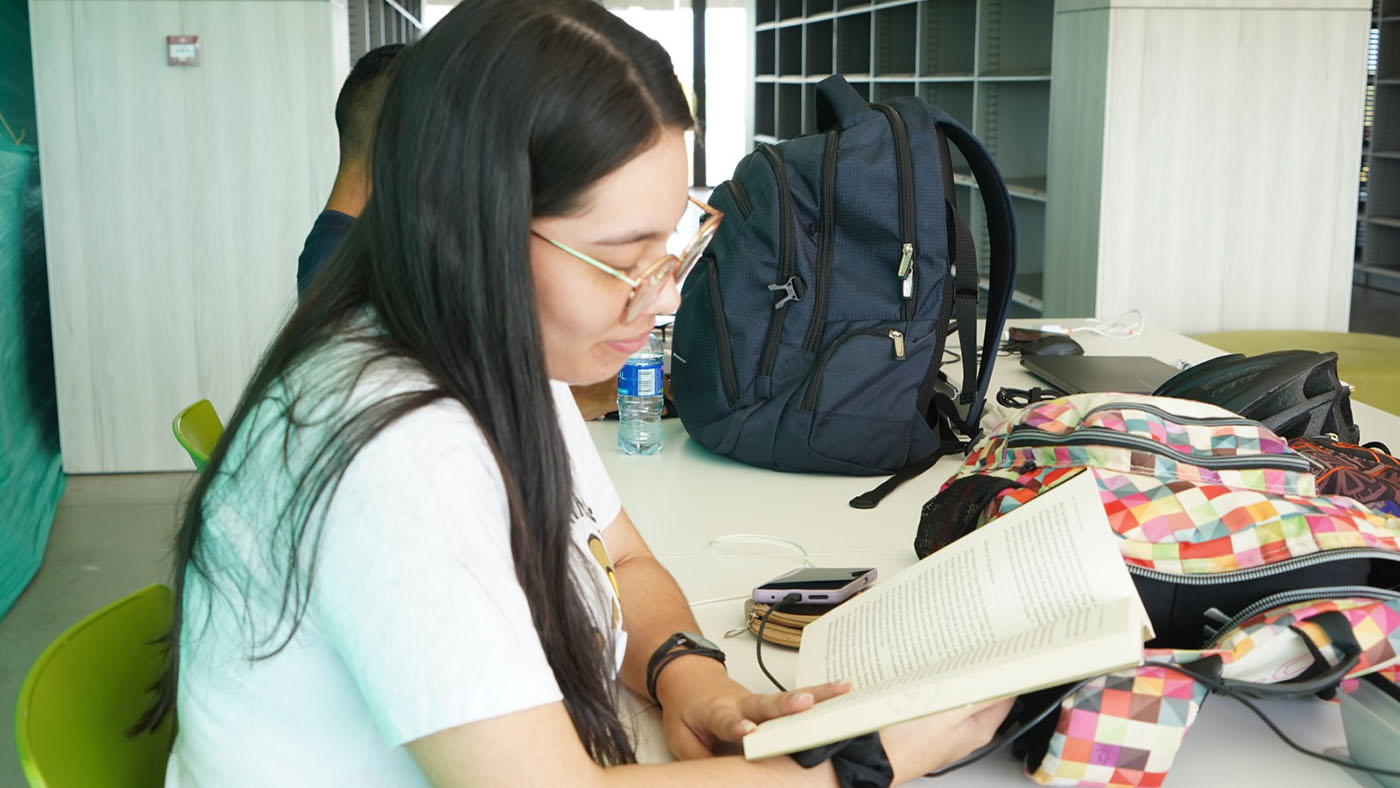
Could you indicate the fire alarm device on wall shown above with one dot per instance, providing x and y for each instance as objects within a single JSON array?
[{"x": 182, "y": 50}]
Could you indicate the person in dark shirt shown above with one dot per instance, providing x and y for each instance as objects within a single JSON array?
[{"x": 356, "y": 112}]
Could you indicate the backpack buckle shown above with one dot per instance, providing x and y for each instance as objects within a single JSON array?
[{"x": 793, "y": 290}]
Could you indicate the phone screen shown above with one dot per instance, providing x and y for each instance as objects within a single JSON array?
[{"x": 816, "y": 577}]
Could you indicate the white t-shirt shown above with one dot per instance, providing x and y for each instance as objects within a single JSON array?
[{"x": 415, "y": 623}]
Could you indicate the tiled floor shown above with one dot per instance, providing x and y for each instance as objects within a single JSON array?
[{"x": 111, "y": 536}]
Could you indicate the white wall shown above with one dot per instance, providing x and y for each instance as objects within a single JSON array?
[
  {"x": 176, "y": 201},
  {"x": 1204, "y": 160},
  {"x": 728, "y": 73}
]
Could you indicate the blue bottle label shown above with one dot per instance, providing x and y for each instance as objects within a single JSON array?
[{"x": 640, "y": 380}]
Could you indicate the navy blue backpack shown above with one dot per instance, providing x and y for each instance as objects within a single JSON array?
[{"x": 811, "y": 332}]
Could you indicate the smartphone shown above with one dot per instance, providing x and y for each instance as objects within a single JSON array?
[
  {"x": 817, "y": 585},
  {"x": 1016, "y": 334}
]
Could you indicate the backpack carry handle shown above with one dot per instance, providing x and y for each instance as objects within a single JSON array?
[
  {"x": 1323, "y": 678},
  {"x": 1002, "y": 231},
  {"x": 839, "y": 106}
]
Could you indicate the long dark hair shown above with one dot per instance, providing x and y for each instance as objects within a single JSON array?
[{"x": 506, "y": 110}]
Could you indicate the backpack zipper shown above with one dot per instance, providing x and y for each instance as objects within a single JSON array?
[
  {"x": 1254, "y": 573},
  {"x": 786, "y": 261},
  {"x": 740, "y": 196},
  {"x": 1223, "y": 421},
  {"x": 1298, "y": 595},
  {"x": 896, "y": 337},
  {"x": 1023, "y": 436},
  {"x": 723, "y": 347},
  {"x": 1382, "y": 465},
  {"x": 812, "y": 343},
  {"x": 1323, "y": 470},
  {"x": 904, "y": 170}
]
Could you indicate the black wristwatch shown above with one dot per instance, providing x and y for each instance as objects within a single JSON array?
[{"x": 676, "y": 646}]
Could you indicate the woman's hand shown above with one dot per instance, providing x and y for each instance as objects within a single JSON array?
[
  {"x": 923, "y": 745},
  {"x": 702, "y": 708}
]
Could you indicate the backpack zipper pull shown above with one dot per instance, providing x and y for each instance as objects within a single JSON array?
[
  {"x": 1217, "y": 616},
  {"x": 1214, "y": 617},
  {"x": 906, "y": 270},
  {"x": 898, "y": 337}
]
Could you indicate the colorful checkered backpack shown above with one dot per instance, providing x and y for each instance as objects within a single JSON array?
[{"x": 1255, "y": 583}]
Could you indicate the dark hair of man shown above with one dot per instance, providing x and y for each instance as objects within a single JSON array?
[
  {"x": 506, "y": 110},
  {"x": 357, "y": 106}
]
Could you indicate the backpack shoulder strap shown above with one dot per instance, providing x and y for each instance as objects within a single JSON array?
[{"x": 1001, "y": 224}]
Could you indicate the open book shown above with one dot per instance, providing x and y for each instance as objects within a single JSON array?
[{"x": 1037, "y": 598}]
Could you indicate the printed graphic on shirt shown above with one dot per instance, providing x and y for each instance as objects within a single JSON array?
[
  {"x": 583, "y": 511},
  {"x": 600, "y": 554},
  {"x": 599, "y": 551}
]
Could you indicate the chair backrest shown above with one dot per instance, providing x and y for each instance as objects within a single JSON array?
[
  {"x": 87, "y": 689},
  {"x": 198, "y": 429}
]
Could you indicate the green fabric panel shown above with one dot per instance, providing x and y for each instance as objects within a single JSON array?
[
  {"x": 31, "y": 476},
  {"x": 16, "y": 75}
]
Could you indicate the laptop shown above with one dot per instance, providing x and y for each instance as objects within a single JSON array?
[{"x": 1079, "y": 374}]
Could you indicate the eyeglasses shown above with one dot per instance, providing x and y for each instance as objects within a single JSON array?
[{"x": 648, "y": 285}]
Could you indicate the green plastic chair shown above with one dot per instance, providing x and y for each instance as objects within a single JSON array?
[
  {"x": 87, "y": 689},
  {"x": 198, "y": 429}
]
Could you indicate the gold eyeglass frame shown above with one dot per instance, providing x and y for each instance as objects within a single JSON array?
[{"x": 646, "y": 286}]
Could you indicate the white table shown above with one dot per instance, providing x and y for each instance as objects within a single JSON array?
[{"x": 685, "y": 497}]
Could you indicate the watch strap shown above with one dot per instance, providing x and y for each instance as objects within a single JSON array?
[{"x": 681, "y": 644}]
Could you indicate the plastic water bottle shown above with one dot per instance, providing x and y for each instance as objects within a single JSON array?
[{"x": 639, "y": 400}]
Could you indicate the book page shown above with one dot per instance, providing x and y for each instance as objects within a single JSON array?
[
  {"x": 1090, "y": 643},
  {"x": 1037, "y": 598},
  {"x": 1048, "y": 560}
]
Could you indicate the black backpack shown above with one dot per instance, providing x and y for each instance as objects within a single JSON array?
[
  {"x": 1295, "y": 393},
  {"x": 811, "y": 332}
]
